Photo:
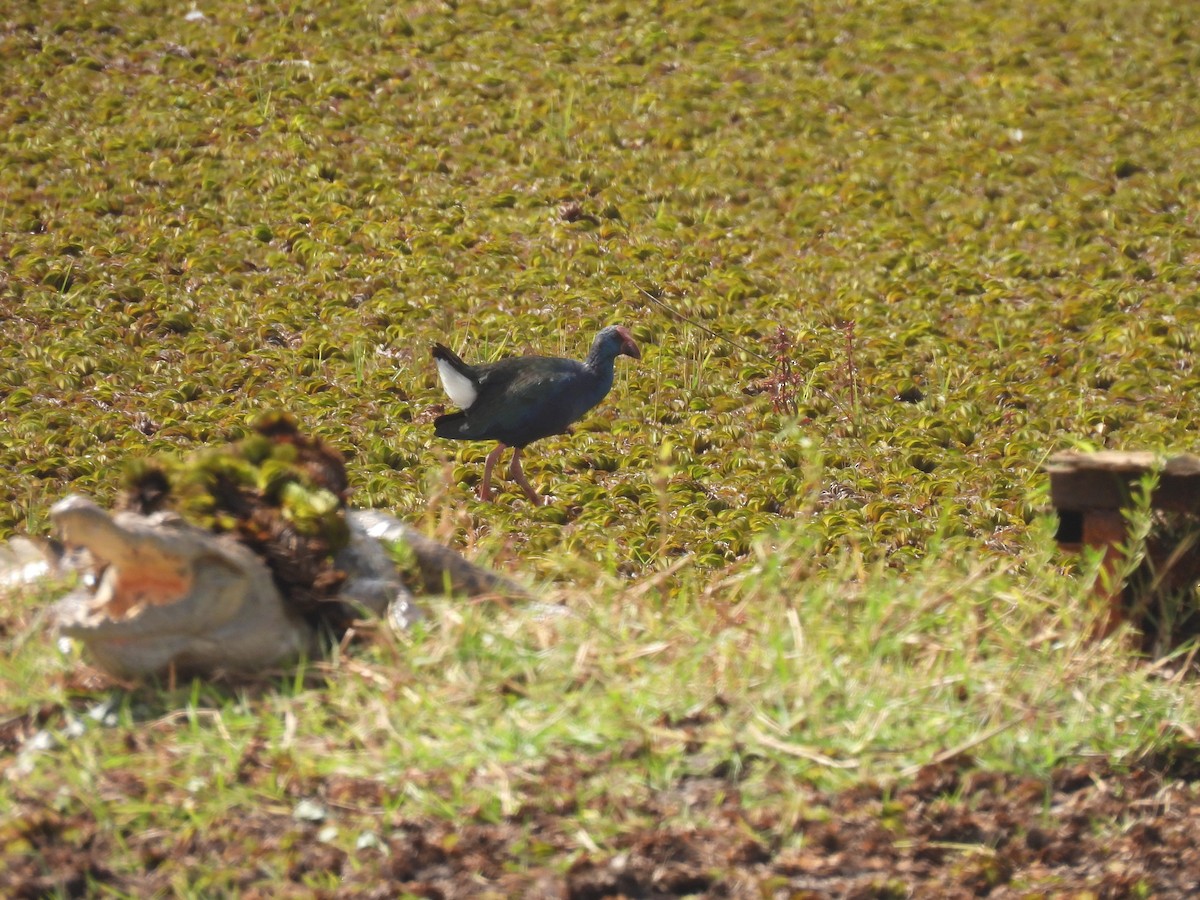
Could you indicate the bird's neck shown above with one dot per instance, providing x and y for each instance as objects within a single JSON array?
[
  {"x": 600, "y": 362},
  {"x": 601, "y": 367}
]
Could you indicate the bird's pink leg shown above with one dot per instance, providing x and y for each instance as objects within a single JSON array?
[
  {"x": 485, "y": 492},
  {"x": 517, "y": 474}
]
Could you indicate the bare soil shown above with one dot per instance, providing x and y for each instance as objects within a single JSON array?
[{"x": 954, "y": 831}]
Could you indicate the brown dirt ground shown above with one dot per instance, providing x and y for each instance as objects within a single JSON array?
[{"x": 954, "y": 831}]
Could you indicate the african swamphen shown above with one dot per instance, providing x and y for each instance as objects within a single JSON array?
[{"x": 521, "y": 399}]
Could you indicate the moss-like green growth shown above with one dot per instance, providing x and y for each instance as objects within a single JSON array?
[{"x": 277, "y": 491}]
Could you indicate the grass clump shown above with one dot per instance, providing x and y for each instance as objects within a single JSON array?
[{"x": 760, "y": 683}]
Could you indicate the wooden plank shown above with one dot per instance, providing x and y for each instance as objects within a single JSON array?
[
  {"x": 1103, "y": 480},
  {"x": 1123, "y": 461},
  {"x": 1090, "y": 492},
  {"x": 1105, "y": 530}
]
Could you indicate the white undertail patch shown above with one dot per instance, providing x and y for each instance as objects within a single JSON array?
[{"x": 458, "y": 386}]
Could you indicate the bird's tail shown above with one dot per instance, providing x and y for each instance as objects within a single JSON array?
[
  {"x": 445, "y": 354},
  {"x": 458, "y": 378}
]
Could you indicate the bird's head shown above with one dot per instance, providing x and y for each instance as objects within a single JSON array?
[{"x": 614, "y": 341}]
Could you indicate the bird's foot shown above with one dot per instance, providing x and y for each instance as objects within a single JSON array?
[{"x": 530, "y": 491}]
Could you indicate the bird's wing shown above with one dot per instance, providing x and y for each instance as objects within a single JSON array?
[
  {"x": 525, "y": 376},
  {"x": 541, "y": 394}
]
